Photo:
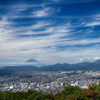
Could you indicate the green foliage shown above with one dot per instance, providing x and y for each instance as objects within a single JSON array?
[
  {"x": 6, "y": 95},
  {"x": 69, "y": 90},
  {"x": 1, "y": 96},
  {"x": 97, "y": 97},
  {"x": 80, "y": 97},
  {"x": 40, "y": 96},
  {"x": 34, "y": 95},
  {"x": 95, "y": 87},
  {"x": 18, "y": 96},
  {"x": 29, "y": 92},
  {"x": 62, "y": 99}
]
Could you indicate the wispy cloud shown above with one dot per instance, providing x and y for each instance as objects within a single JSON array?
[
  {"x": 41, "y": 13},
  {"x": 4, "y": 22},
  {"x": 4, "y": 30},
  {"x": 93, "y": 23},
  {"x": 49, "y": 31},
  {"x": 73, "y": 1},
  {"x": 96, "y": 58}
]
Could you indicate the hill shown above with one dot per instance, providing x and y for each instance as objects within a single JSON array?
[
  {"x": 21, "y": 68},
  {"x": 57, "y": 67},
  {"x": 67, "y": 67}
]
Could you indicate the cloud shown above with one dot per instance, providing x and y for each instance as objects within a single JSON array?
[
  {"x": 93, "y": 23},
  {"x": 46, "y": 11},
  {"x": 27, "y": 10},
  {"x": 73, "y": 1},
  {"x": 56, "y": 0},
  {"x": 37, "y": 25},
  {"x": 96, "y": 58},
  {"x": 4, "y": 30},
  {"x": 4, "y": 22},
  {"x": 37, "y": 47},
  {"x": 41, "y": 13},
  {"x": 42, "y": 32},
  {"x": 81, "y": 59},
  {"x": 81, "y": 42},
  {"x": 94, "y": 20}
]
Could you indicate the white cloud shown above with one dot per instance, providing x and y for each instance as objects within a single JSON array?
[
  {"x": 46, "y": 11},
  {"x": 93, "y": 23},
  {"x": 41, "y": 13},
  {"x": 36, "y": 48},
  {"x": 81, "y": 59},
  {"x": 96, "y": 58},
  {"x": 97, "y": 17},
  {"x": 15, "y": 10},
  {"x": 56, "y": 0},
  {"x": 44, "y": 48},
  {"x": 79, "y": 42},
  {"x": 43, "y": 24},
  {"x": 11, "y": 48},
  {"x": 40, "y": 25},
  {"x": 4, "y": 22},
  {"x": 5, "y": 30},
  {"x": 73, "y": 1}
]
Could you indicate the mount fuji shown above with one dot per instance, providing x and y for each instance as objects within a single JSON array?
[{"x": 34, "y": 63}]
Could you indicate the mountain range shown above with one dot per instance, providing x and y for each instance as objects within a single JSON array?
[{"x": 57, "y": 67}]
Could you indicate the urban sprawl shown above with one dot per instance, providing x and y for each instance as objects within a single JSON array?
[{"x": 48, "y": 82}]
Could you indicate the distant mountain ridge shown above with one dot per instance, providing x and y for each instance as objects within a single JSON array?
[
  {"x": 79, "y": 66},
  {"x": 57, "y": 67},
  {"x": 21, "y": 68},
  {"x": 97, "y": 62}
]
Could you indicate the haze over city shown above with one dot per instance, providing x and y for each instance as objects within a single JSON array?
[{"x": 49, "y": 31}]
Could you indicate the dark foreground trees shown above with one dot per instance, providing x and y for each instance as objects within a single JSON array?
[{"x": 69, "y": 93}]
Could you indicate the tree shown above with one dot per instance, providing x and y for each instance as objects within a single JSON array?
[
  {"x": 6, "y": 95},
  {"x": 94, "y": 87},
  {"x": 1, "y": 96},
  {"x": 69, "y": 90}
]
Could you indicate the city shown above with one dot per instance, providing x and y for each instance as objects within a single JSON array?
[{"x": 48, "y": 81}]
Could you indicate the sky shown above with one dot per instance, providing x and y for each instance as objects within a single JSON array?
[{"x": 49, "y": 31}]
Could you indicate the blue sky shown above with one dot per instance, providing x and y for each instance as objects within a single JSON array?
[{"x": 50, "y": 31}]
